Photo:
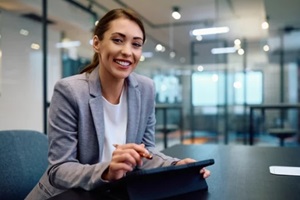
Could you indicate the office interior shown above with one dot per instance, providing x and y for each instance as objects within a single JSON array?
[{"x": 205, "y": 83}]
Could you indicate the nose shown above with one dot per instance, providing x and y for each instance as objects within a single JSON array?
[{"x": 126, "y": 50}]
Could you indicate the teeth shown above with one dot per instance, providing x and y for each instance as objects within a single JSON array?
[{"x": 123, "y": 63}]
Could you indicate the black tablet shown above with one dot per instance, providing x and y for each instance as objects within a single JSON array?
[
  {"x": 161, "y": 182},
  {"x": 190, "y": 167}
]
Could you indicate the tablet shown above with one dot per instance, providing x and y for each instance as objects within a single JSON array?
[
  {"x": 161, "y": 182},
  {"x": 195, "y": 166}
]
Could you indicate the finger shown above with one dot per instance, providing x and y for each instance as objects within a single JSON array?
[
  {"x": 137, "y": 147},
  {"x": 128, "y": 155},
  {"x": 185, "y": 161},
  {"x": 121, "y": 166},
  {"x": 205, "y": 173},
  {"x": 202, "y": 170},
  {"x": 142, "y": 145},
  {"x": 140, "y": 148},
  {"x": 117, "y": 170}
]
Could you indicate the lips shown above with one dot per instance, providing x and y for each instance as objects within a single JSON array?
[{"x": 123, "y": 63}]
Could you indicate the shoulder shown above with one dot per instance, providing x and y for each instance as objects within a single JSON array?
[
  {"x": 73, "y": 80},
  {"x": 76, "y": 82},
  {"x": 73, "y": 87}
]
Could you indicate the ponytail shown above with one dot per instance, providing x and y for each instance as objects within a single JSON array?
[{"x": 89, "y": 68}]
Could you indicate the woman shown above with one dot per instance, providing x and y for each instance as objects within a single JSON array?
[{"x": 101, "y": 122}]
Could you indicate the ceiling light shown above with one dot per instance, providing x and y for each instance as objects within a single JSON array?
[
  {"x": 241, "y": 51},
  {"x": 237, "y": 42},
  {"x": 223, "y": 50},
  {"x": 209, "y": 31},
  {"x": 265, "y": 25},
  {"x": 142, "y": 58},
  {"x": 175, "y": 13},
  {"x": 35, "y": 46},
  {"x": 199, "y": 37},
  {"x": 160, "y": 48},
  {"x": 172, "y": 54},
  {"x": 200, "y": 68},
  {"x": 24, "y": 32},
  {"x": 266, "y": 48}
]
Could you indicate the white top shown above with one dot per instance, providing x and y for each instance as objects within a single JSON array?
[{"x": 115, "y": 124}]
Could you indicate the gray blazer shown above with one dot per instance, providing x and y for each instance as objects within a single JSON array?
[{"x": 76, "y": 132}]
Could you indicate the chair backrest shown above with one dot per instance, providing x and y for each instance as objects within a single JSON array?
[{"x": 23, "y": 160}]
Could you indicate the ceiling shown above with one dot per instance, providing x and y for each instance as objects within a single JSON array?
[{"x": 243, "y": 17}]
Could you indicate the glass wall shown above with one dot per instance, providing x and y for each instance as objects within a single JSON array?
[
  {"x": 214, "y": 90},
  {"x": 21, "y": 101},
  {"x": 22, "y": 57}
]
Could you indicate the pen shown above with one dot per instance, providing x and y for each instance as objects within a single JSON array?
[{"x": 144, "y": 155}]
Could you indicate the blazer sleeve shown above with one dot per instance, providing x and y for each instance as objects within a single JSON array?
[{"x": 65, "y": 171}]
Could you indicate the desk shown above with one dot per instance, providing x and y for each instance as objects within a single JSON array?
[
  {"x": 239, "y": 172},
  {"x": 281, "y": 106},
  {"x": 166, "y": 128}
]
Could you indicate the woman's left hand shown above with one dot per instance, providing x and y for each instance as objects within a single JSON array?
[{"x": 203, "y": 171}]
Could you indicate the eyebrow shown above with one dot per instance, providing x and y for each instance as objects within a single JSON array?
[{"x": 124, "y": 36}]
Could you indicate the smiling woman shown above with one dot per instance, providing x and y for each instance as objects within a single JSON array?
[
  {"x": 120, "y": 49},
  {"x": 102, "y": 121}
]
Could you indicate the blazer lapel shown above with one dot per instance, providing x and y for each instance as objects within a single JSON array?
[
  {"x": 96, "y": 106},
  {"x": 134, "y": 106}
]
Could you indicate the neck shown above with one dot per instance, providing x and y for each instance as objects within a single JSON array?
[{"x": 111, "y": 88}]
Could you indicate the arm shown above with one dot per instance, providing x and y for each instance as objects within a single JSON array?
[{"x": 65, "y": 169}]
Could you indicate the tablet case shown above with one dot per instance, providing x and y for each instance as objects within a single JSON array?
[{"x": 160, "y": 183}]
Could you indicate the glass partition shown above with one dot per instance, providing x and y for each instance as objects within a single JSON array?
[
  {"x": 214, "y": 90},
  {"x": 216, "y": 98}
]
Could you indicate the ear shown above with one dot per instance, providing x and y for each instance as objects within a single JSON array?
[{"x": 96, "y": 44}]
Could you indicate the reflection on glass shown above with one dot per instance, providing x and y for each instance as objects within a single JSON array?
[
  {"x": 168, "y": 88},
  {"x": 253, "y": 87}
]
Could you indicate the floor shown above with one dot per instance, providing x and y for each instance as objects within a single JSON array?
[{"x": 263, "y": 139}]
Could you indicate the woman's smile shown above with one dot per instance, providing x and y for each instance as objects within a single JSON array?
[{"x": 123, "y": 63}]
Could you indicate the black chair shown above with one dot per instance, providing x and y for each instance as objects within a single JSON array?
[
  {"x": 23, "y": 160},
  {"x": 282, "y": 134},
  {"x": 169, "y": 120},
  {"x": 165, "y": 129}
]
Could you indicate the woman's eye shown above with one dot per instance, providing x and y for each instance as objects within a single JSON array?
[
  {"x": 117, "y": 40},
  {"x": 136, "y": 44}
]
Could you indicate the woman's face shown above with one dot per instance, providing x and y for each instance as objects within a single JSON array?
[{"x": 121, "y": 48}]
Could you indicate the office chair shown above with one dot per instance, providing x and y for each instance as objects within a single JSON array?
[{"x": 23, "y": 160}]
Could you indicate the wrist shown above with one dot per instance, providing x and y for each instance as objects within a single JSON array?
[{"x": 104, "y": 175}]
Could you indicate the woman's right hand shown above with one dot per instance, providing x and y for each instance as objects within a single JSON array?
[{"x": 124, "y": 159}]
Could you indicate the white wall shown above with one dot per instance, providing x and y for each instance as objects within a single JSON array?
[{"x": 21, "y": 100}]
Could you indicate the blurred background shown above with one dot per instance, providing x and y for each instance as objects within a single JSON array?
[{"x": 225, "y": 71}]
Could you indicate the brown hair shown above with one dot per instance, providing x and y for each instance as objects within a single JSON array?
[{"x": 103, "y": 26}]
